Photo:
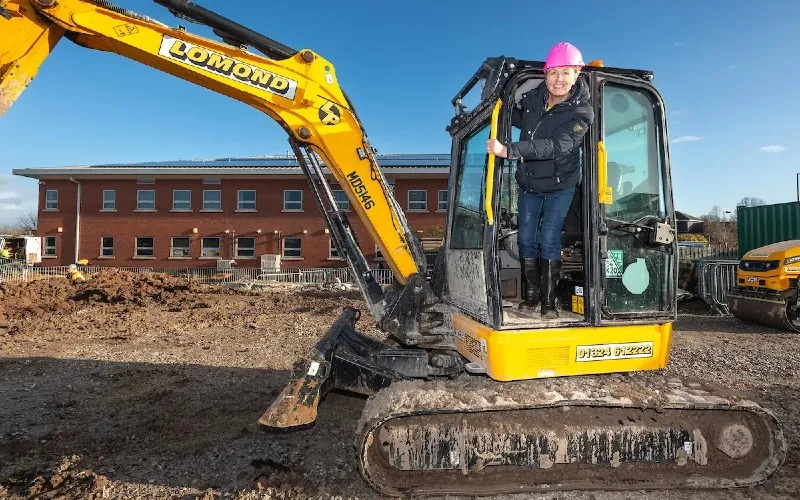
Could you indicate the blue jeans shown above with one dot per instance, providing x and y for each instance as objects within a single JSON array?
[{"x": 545, "y": 211}]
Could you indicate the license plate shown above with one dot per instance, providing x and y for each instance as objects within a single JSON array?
[{"x": 601, "y": 352}]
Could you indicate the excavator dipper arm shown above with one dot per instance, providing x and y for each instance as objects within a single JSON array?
[{"x": 299, "y": 90}]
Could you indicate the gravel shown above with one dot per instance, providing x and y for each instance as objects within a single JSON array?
[{"x": 133, "y": 387}]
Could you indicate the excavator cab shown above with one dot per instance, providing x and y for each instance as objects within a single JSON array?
[{"x": 619, "y": 252}]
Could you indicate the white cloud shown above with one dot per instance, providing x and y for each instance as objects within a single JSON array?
[
  {"x": 772, "y": 149},
  {"x": 686, "y": 138},
  {"x": 732, "y": 67},
  {"x": 678, "y": 44},
  {"x": 10, "y": 195},
  {"x": 679, "y": 111},
  {"x": 10, "y": 207},
  {"x": 17, "y": 195}
]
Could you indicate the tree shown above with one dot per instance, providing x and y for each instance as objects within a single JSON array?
[
  {"x": 748, "y": 201},
  {"x": 720, "y": 228},
  {"x": 713, "y": 215},
  {"x": 28, "y": 221}
]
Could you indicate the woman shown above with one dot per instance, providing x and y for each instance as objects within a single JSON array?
[{"x": 553, "y": 118}]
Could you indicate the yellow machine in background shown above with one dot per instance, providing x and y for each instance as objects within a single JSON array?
[
  {"x": 468, "y": 394},
  {"x": 766, "y": 290}
]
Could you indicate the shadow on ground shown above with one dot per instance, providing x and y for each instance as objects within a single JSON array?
[{"x": 176, "y": 425}]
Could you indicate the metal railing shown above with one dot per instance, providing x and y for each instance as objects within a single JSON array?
[
  {"x": 707, "y": 253},
  {"x": 714, "y": 279},
  {"x": 248, "y": 276}
]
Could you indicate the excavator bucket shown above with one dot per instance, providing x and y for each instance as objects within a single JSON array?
[
  {"x": 26, "y": 41},
  {"x": 342, "y": 359}
]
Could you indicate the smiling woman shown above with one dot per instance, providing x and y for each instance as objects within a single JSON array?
[{"x": 553, "y": 119}]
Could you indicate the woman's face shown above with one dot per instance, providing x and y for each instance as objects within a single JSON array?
[{"x": 560, "y": 80}]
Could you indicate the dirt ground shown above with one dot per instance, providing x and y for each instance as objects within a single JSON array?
[{"x": 142, "y": 387}]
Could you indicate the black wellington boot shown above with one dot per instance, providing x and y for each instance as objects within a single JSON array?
[
  {"x": 550, "y": 272},
  {"x": 530, "y": 284}
]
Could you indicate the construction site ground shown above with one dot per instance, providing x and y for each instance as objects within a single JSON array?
[{"x": 137, "y": 386}]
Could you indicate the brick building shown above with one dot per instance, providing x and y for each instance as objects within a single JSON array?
[{"x": 194, "y": 213}]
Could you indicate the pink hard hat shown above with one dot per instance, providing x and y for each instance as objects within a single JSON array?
[{"x": 563, "y": 54}]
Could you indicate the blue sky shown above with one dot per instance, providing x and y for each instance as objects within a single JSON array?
[{"x": 727, "y": 71}]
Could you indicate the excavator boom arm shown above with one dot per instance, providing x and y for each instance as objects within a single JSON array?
[{"x": 298, "y": 89}]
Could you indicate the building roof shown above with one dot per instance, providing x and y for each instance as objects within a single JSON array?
[
  {"x": 684, "y": 216},
  {"x": 256, "y": 165}
]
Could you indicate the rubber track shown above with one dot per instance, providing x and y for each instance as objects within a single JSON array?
[{"x": 435, "y": 424}]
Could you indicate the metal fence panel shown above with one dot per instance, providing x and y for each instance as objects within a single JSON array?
[
  {"x": 204, "y": 275},
  {"x": 715, "y": 279}
]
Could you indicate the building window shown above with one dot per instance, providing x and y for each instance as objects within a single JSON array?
[
  {"x": 247, "y": 199},
  {"x": 341, "y": 199},
  {"x": 182, "y": 199},
  {"x": 245, "y": 247},
  {"x": 210, "y": 247},
  {"x": 51, "y": 199},
  {"x": 144, "y": 246},
  {"x": 50, "y": 246},
  {"x": 107, "y": 246},
  {"x": 109, "y": 199},
  {"x": 378, "y": 254},
  {"x": 293, "y": 199},
  {"x": 292, "y": 247},
  {"x": 391, "y": 185},
  {"x": 417, "y": 199},
  {"x": 212, "y": 200},
  {"x": 180, "y": 247},
  {"x": 145, "y": 181},
  {"x": 442, "y": 200},
  {"x": 333, "y": 252},
  {"x": 145, "y": 199}
]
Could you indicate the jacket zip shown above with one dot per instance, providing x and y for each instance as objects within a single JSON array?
[{"x": 541, "y": 119}]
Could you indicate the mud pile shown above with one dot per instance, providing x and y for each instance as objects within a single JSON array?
[
  {"x": 65, "y": 481},
  {"x": 117, "y": 286},
  {"x": 114, "y": 286},
  {"x": 34, "y": 298}
]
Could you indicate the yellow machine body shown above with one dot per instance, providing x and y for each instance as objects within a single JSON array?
[
  {"x": 766, "y": 290},
  {"x": 773, "y": 267},
  {"x": 508, "y": 355}
]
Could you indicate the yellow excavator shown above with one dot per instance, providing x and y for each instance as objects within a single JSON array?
[{"x": 467, "y": 394}]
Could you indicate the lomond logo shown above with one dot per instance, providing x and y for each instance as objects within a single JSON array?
[{"x": 213, "y": 62}]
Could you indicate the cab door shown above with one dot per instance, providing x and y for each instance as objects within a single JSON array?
[
  {"x": 637, "y": 247},
  {"x": 470, "y": 257}
]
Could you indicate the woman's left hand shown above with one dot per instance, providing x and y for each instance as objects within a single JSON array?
[{"x": 493, "y": 146}]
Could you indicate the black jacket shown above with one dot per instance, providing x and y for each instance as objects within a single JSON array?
[{"x": 548, "y": 151}]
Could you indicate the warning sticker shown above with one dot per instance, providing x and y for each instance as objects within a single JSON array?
[{"x": 614, "y": 264}]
